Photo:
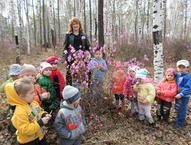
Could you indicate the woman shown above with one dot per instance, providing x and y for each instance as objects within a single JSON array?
[{"x": 75, "y": 39}]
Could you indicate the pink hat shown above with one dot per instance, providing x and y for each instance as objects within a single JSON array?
[
  {"x": 44, "y": 65},
  {"x": 170, "y": 70},
  {"x": 118, "y": 66}
]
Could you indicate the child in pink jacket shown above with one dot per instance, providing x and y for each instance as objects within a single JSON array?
[
  {"x": 166, "y": 91},
  {"x": 128, "y": 88}
]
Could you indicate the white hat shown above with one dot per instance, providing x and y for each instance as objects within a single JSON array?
[
  {"x": 44, "y": 65},
  {"x": 70, "y": 94},
  {"x": 14, "y": 69},
  {"x": 183, "y": 62},
  {"x": 134, "y": 68},
  {"x": 142, "y": 73}
]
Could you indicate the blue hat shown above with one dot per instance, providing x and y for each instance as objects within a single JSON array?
[
  {"x": 14, "y": 69},
  {"x": 70, "y": 94},
  {"x": 142, "y": 73}
]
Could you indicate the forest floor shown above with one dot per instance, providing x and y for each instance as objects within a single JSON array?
[{"x": 105, "y": 126}]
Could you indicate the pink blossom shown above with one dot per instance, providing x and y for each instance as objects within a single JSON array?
[
  {"x": 83, "y": 37},
  {"x": 130, "y": 43},
  {"x": 65, "y": 51},
  {"x": 115, "y": 42},
  {"x": 146, "y": 58},
  {"x": 103, "y": 20},
  {"x": 107, "y": 34},
  {"x": 73, "y": 50},
  {"x": 101, "y": 124},
  {"x": 121, "y": 36},
  {"x": 89, "y": 124}
]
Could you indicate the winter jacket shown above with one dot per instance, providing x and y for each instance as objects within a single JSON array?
[
  {"x": 69, "y": 40},
  {"x": 47, "y": 85},
  {"x": 128, "y": 87},
  {"x": 2, "y": 87},
  {"x": 38, "y": 93},
  {"x": 145, "y": 91},
  {"x": 118, "y": 82},
  {"x": 27, "y": 117},
  {"x": 170, "y": 89},
  {"x": 183, "y": 82},
  {"x": 58, "y": 83},
  {"x": 69, "y": 123},
  {"x": 97, "y": 74}
]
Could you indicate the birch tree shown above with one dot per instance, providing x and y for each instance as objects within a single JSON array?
[
  {"x": 185, "y": 18},
  {"x": 28, "y": 29},
  {"x": 44, "y": 26},
  {"x": 58, "y": 7},
  {"x": 100, "y": 23},
  {"x": 139, "y": 21},
  {"x": 34, "y": 21},
  {"x": 157, "y": 40},
  {"x": 40, "y": 23},
  {"x": 21, "y": 25},
  {"x": 90, "y": 7}
]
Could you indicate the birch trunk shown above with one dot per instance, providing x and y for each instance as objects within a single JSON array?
[
  {"x": 164, "y": 5},
  {"x": 85, "y": 16},
  {"x": 157, "y": 40},
  {"x": 28, "y": 29},
  {"x": 148, "y": 29},
  {"x": 139, "y": 21},
  {"x": 54, "y": 33},
  {"x": 185, "y": 18},
  {"x": 40, "y": 23},
  {"x": 12, "y": 20},
  {"x": 44, "y": 26},
  {"x": 17, "y": 50},
  {"x": 34, "y": 20},
  {"x": 100, "y": 23},
  {"x": 90, "y": 21},
  {"x": 20, "y": 21},
  {"x": 113, "y": 22},
  {"x": 58, "y": 7}
]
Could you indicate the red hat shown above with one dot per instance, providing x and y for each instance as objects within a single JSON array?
[
  {"x": 118, "y": 66},
  {"x": 52, "y": 60}
]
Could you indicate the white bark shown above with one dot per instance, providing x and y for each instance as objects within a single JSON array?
[
  {"x": 19, "y": 4},
  {"x": 139, "y": 21},
  {"x": 28, "y": 28},
  {"x": 157, "y": 36}
]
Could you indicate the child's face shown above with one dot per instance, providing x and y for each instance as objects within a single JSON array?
[
  {"x": 29, "y": 97},
  {"x": 75, "y": 26},
  {"x": 47, "y": 72},
  {"x": 140, "y": 80},
  {"x": 54, "y": 66},
  {"x": 170, "y": 76},
  {"x": 77, "y": 101},
  {"x": 182, "y": 69},
  {"x": 119, "y": 70},
  {"x": 98, "y": 54},
  {"x": 15, "y": 77},
  {"x": 29, "y": 76},
  {"x": 132, "y": 73}
]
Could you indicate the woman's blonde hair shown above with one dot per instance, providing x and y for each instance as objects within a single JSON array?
[
  {"x": 22, "y": 86},
  {"x": 76, "y": 20}
]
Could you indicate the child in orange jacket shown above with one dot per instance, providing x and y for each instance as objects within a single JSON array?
[
  {"x": 166, "y": 91},
  {"x": 118, "y": 81},
  {"x": 28, "y": 72}
]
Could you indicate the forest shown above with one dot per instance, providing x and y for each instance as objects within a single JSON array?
[{"x": 153, "y": 34}]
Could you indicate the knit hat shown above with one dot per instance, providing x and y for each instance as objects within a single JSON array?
[
  {"x": 14, "y": 69},
  {"x": 170, "y": 70},
  {"x": 142, "y": 73},
  {"x": 134, "y": 68},
  {"x": 52, "y": 60},
  {"x": 183, "y": 62},
  {"x": 118, "y": 66},
  {"x": 70, "y": 94},
  {"x": 27, "y": 68},
  {"x": 44, "y": 65}
]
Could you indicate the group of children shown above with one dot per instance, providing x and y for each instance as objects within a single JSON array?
[{"x": 48, "y": 88}]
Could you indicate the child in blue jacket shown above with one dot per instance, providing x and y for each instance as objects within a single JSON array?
[{"x": 183, "y": 81}]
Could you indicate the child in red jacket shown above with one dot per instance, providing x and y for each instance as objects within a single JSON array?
[
  {"x": 56, "y": 77},
  {"x": 118, "y": 81},
  {"x": 166, "y": 91}
]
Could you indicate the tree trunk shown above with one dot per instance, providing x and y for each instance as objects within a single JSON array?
[
  {"x": 20, "y": 21},
  {"x": 54, "y": 33},
  {"x": 40, "y": 23},
  {"x": 148, "y": 29},
  {"x": 74, "y": 8},
  {"x": 157, "y": 40},
  {"x": 164, "y": 5},
  {"x": 44, "y": 27},
  {"x": 85, "y": 16},
  {"x": 139, "y": 21},
  {"x": 136, "y": 20},
  {"x": 185, "y": 19},
  {"x": 113, "y": 22},
  {"x": 48, "y": 30},
  {"x": 12, "y": 20},
  {"x": 34, "y": 20},
  {"x": 17, "y": 50},
  {"x": 28, "y": 30},
  {"x": 58, "y": 20},
  {"x": 100, "y": 23},
  {"x": 90, "y": 21}
]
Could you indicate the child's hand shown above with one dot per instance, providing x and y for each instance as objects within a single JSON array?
[
  {"x": 178, "y": 96},
  {"x": 145, "y": 101},
  {"x": 38, "y": 75},
  {"x": 46, "y": 96},
  {"x": 46, "y": 118}
]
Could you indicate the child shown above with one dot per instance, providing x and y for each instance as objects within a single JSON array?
[
  {"x": 14, "y": 71},
  {"x": 97, "y": 67},
  {"x": 118, "y": 83},
  {"x": 183, "y": 82},
  {"x": 128, "y": 88},
  {"x": 28, "y": 118},
  {"x": 52, "y": 103},
  {"x": 56, "y": 77},
  {"x": 70, "y": 121},
  {"x": 78, "y": 71},
  {"x": 166, "y": 91},
  {"x": 146, "y": 94},
  {"x": 28, "y": 72}
]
